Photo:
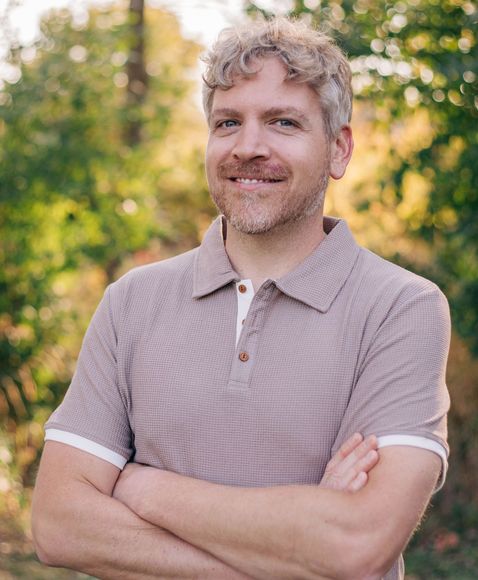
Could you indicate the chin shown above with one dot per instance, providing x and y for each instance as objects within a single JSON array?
[{"x": 251, "y": 227}]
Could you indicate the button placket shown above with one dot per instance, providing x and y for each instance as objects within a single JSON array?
[
  {"x": 243, "y": 362},
  {"x": 245, "y": 295}
]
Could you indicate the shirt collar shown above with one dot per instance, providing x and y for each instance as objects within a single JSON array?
[
  {"x": 212, "y": 268},
  {"x": 316, "y": 281},
  {"x": 319, "y": 278}
]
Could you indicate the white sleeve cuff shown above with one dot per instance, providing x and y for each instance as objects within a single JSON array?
[
  {"x": 86, "y": 445},
  {"x": 423, "y": 443}
]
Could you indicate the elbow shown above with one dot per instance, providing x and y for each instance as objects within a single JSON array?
[
  {"x": 41, "y": 546},
  {"x": 357, "y": 557},
  {"x": 362, "y": 566},
  {"x": 366, "y": 559},
  {"x": 46, "y": 542},
  {"x": 44, "y": 555}
]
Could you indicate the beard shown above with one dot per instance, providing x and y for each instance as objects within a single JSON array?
[{"x": 262, "y": 210}]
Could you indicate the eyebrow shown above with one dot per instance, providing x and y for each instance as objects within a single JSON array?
[
  {"x": 225, "y": 112},
  {"x": 281, "y": 111},
  {"x": 272, "y": 112}
]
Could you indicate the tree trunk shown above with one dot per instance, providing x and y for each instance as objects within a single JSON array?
[{"x": 136, "y": 71}]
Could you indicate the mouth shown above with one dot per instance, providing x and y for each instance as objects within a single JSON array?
[
  {"x": 249, "y": 175},
  {"x": 253, "y": 180}
]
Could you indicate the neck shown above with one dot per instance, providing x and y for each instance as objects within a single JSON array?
[{"x": 274, "y": 253}]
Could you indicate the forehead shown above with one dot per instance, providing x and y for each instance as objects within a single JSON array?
[{"x": 267, "y": 87}]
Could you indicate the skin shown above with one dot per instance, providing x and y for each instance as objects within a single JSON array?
[
  {"x": 77, "y": 524},
  {"x": 288, "y": 532},
  {"x": 348, "y": 469}
]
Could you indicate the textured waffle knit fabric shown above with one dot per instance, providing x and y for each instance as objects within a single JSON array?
[{"x": 345, "y": 342}]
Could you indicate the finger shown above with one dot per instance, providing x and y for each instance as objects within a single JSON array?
[
  {"x": 341, "y": 467},
  {"x": 358, "y": 483},
  {"x": 351, "y": 444},
  {"x": 345, "y": 450},
  {"x": 366, "y": 463}
]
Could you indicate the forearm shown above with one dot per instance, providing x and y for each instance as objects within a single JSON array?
[
  {"x": 90, "y": 532},
  {"x": 265, "y": 532},
  {"x": 292, "y": 531}
]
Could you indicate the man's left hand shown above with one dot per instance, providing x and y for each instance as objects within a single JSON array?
[
  {"x": 346, "y": 471},
  {"x": 349, "y": 467}
]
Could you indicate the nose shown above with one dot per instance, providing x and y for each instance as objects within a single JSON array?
[{"x": 251, "y": 142}]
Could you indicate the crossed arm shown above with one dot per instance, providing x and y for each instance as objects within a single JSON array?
[
  {"x": 293, "y": 531},
  {"x": 166, "y": 525},
  {"x": 77, "y": 524}
]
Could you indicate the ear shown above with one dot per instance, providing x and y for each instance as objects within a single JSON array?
[{"x": 341, "y": 152}]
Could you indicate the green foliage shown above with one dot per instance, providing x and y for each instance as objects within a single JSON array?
[
  {"x": 414, "y": 198},
  {"x": 76, "y": 199},
  {"x": 410, "y": 56}
]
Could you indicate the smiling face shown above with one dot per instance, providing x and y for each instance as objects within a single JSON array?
[{"x": 268, "y": 159}]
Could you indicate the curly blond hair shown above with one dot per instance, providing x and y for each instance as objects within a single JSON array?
[{"x": 310, "y": 57}]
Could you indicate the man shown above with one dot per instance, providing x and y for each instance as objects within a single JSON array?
[{"x": 230, "y": 375}]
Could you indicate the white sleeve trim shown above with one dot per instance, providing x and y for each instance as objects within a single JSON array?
[
  {"x": 424, "y": 443},
  {"x": 86, "y": 445}
]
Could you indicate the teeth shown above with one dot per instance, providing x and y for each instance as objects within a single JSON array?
[{"x": 247, "y": 181}]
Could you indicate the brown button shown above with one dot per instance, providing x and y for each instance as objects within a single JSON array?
[
  {"x": 244, "y": 356},
  {"x": 242, "y": 288}
]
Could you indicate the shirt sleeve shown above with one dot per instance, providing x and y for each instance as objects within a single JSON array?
[
  {"x": 94, "y": 413},
  {"x": 400, "y": 389}
]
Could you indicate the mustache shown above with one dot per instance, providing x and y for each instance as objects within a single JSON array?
[{"x": 253, "y": 170}]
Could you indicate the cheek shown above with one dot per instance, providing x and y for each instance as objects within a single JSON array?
[
  {"x": 209, "y": 177},
  {"x": 211, "y": 174},
  {"x": 212, "y": 153},
  {"x": 210, "y": 163},
  {"x": 219, "y": 148},
  {"x": 215, "y": 155}
]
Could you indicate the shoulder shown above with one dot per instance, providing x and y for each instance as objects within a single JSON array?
[
  {"x": 388, "y": 281},
  {"x": 144, "y": 279},
  {"x": 392, "y": 294},
  {"x": 152, "y": 285}
]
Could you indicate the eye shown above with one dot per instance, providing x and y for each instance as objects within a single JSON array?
[
  {"x": 227, "y": 124},
  {"x": 285, "y": 123}
]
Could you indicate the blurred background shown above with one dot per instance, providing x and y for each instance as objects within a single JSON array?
[{"x": 101, "y": 169}]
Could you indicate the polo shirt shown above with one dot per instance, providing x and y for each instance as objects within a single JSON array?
[{"x": 185, "y": 368}]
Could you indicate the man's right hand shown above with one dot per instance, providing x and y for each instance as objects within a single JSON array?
[{"x": 349, "y": 467}]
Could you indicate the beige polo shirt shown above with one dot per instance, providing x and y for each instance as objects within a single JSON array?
[{"x": 185, "y": 368}]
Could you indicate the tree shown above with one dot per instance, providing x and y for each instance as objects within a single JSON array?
[
  {"x": 412, "y": 193},
  {"x": 136, "y": 72},
  {"x": 415, "y": 65},
  {"x": 91, "y": 176}
]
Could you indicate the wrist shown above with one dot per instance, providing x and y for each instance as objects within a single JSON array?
[
  {"x": 147, "y": 500},
  {"x": 158, "y": 493},
  {"x": 175, "y": 499}
]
